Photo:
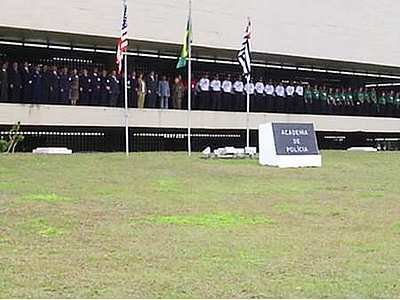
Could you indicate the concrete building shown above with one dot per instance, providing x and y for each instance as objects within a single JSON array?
[{"x": 350, "y": 41}]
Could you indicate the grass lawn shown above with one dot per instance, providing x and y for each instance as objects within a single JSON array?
[{"x": 163, "y": 225}]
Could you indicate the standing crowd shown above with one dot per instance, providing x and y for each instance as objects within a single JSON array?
[{"x": 42, "y": 84}]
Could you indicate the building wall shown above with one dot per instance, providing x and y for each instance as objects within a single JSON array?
[{"x": 350, "y": 30}]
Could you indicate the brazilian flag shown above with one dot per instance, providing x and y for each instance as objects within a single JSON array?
[{"x": 183, "y": 59}]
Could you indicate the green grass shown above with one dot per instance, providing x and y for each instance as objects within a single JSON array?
[{"x": 163, "y": 225}]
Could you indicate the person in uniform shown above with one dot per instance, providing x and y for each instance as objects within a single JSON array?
[
  {"x": 95, "y": 98},
  {"x": 359, "y": 102},
  {"x": 115, "y": 89},
  {"x": 308, "y": 99},
  {"x": 105, "y": 88},
  {"x": 227, "y": 89},
  {"x": 74, "y": 87},
  {"x": 259, "y": 98},
  {"x": 178, "y": 92},
  {"x": 280, "y": 98},
  {"x": 4, "y": 82},
  {"x": 342, "y": 101},
  {"x": 164, "y": 92},
  {"x": 239, "y": 102},
  {"x": 366, "y": 107},
  {"x": 382, "y": 104},
  {"x": 151, "y": 84},
  {"x": 290, "y": 98},
  {"x": 121, "y": 97},
  {"x": 390, "y": 104},
  {"x": 349, "y": 101},
  {"x": 331, "y": 103},
  {"x": 15, "y": 83},
  {"x": 397, "y": 105},
  {"x": 37, "y": 88},
  {"x": 323, "y": 107},
  {"x": 54, "y": 85},
  {"x": 249, "y": 90},
  {"x": 374, "y": 102},
  {"x": 270, "y": 96},
  {"x": 26, "y": 75},
  {"x": 316, "y": 104},
  {"x": 64, "y": 86},
  {"x": 85, "y": 87},
  {"x": 204, "y": 97},
  {"x": 215, "y": 88},
  {"x": 45, "y": 84},
  {"x": 299, "y": 99}
]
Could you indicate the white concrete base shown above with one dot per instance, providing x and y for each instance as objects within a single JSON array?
[
  {"x": 59, "y": 151},
  {"x": 268, "y": 156},
  {"x": 363, "y": 149}
]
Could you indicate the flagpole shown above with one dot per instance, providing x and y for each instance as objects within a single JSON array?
[
  {"x": 248, "y": 113},
  {"x": 126, "y": 104},
  {"x": 189, "y": 131}
]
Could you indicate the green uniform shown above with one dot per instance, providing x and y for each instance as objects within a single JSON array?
[
  {"x": 373, "y": 97},
  {"x": 323, "y": 96},
  {"x": 367, "y": 97},
  {"x": 316, "y": 95},
  {"x": 342, "y": 97},
  {"x": 308, "y": 95},
  {"x": 361, "y": 97},
  {"x": 390, "y": 99},
  {"x": 382, "y": 100},
  {"x": 331, "y": 98},
  {"x": 349, "y": 98},
  {"x": 397, "y": 101}
]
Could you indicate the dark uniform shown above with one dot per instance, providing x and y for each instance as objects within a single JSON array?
[
  {"x": 151, "y": 97},
  {"x": 85, "y": 89},
  {"x": 64, "y": 88},
  {"x": 95, "y": 97},
  {"x": 37, "y": 87},
  {"x": 45, "y": 86},
  {"x": 27, "y": 85},
  {"x": 15, "y": 84},
  {"x": 3, "y": 84},
  {"x": 54, "y": 87},
  {"x": 114, "y": 90},
  {"x": 105, "y": 90}
]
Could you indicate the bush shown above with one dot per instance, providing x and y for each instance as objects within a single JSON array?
[{"x": 3, "y": 145}]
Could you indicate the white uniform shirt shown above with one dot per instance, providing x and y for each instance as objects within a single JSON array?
[
  {"x": 300, "y": 90},
  {"x": 290, "y": 90},
  {"x": 249, "y": 88},
  {"x": 259, "y": 87},
  {"x": 227, "y": 86},
  {"x": 238, "y": 86},
  {"x": 215, "y": 85},
  {"x": 269, "y": 89},
  {"x": 204, "y": 84},
  {"x": 280, "y": 90}
]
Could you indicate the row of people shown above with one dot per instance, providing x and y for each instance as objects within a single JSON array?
[
  {"x": 53, "y": 85},
  {"x": 43, "y": 84},
  {"x": 292, "y": 97}
]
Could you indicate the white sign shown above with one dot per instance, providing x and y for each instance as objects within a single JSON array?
[{"x": 288, "y": 145}]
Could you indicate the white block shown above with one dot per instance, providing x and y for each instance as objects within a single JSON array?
[
  {"x": 59, "y": 151},
  {"x": 268, "y": 155}
]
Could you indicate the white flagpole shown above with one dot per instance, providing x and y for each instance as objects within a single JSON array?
[
  {"x": 248, "y": 113},
  {"x": 189, "y": 131},
  {"x": 126, "y": 104}
]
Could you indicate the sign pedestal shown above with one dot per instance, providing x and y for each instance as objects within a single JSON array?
[{"x": 287, "y": 145}]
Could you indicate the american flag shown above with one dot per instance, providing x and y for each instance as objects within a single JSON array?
[
  {"x": 123, "y": 40},
  {"x": 244, "y": 56}
]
